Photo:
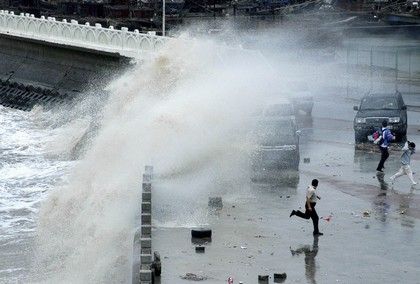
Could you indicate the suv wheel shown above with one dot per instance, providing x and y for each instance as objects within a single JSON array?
[{"x": 401, "y": 137}]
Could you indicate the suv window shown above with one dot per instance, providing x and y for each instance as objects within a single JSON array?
[
  {"x": 275, "y": 133},
  {"x": 378, "y": 103}
]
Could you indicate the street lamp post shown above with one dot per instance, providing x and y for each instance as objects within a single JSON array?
[{"x": 163, "y": 17}]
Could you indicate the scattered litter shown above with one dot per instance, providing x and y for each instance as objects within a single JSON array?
[
  {"x": 402, "y": 212},
  {"x": 193, "y": 277},
  {"x": 366, "y": 213},
  {"x": 354, "y": 214},
  {"x": 259, "y": 236},
  {"x": 243, "y": 247},
  {"x": 327, "y": 218},
  {"x": 288, "y": 196}
]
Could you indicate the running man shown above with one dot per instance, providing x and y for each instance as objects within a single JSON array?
[{"x": 310, "y": 212}]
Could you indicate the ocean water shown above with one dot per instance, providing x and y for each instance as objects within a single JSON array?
[{"x": 29, "y": 170}]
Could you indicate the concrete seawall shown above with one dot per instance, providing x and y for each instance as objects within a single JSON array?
[{"x": 65, "y": 69}]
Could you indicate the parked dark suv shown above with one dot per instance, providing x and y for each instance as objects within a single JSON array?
[{"x": 375, "y": 108}]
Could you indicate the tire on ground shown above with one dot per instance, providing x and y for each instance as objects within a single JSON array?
[{"x": 200, "y": 233}]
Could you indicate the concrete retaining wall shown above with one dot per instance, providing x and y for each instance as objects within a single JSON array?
[{"x": 62, "y": 68}]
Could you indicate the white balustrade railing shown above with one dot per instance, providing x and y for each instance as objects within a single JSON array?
[{"x": 72, "y": 33}]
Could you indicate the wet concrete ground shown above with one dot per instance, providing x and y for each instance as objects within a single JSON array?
[{"x": 253, "y": 234}]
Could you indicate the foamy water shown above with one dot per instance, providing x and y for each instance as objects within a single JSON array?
[{"x": 26, "y": 177}]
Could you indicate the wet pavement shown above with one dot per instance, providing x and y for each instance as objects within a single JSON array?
[{"x": 371, "y": 228}]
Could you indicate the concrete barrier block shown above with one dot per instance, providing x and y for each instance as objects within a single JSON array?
[
  {"x": 147, "y": 178},
  {"x": 146, "y": 186},
  {"x": 145, "y": 275},
  {"x": 146, "y": 207},
  {"x": 146, "y": 251},
  {"x": 279, "y": 277},
  {"x": 146, "y": 219},
  {"x": 146, "y": 230},
  {"x": 146, "y": 258},
  {"x": 148, "y": 169},
  {"x": 200, "y": 249},
  {"x": 146, "y": 242},
  {"x": 146, "y": 196},
  {"x": 263, "y": 279}
]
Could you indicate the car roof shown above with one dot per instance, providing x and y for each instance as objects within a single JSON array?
[{"x": 384, "y": 95}]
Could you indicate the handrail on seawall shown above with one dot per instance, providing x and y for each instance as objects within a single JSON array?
[{"x": 127, "y": 43}]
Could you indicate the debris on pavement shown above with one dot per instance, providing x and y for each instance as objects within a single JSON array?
[
  {"x": 366, "y": 213},
  {"x": 193, "y": 277},
  {"x": 327, "y": 218}
]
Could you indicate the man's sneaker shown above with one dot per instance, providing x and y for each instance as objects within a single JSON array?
[
  {"x": 413, "y": 183},
  {"x": 292, "y": 213},
  {"x": 318, "y": 234}
]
